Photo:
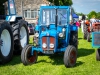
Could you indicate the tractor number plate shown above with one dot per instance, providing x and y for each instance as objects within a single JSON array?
[{"x": 48, "y": 52}]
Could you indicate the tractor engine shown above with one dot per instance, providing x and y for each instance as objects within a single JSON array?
[{"x": 48, "y": 44}]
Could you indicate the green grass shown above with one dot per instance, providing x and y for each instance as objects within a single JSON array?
[{"x": 53, "y": 65}]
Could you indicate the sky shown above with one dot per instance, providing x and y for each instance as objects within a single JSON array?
[{"x": 86, "y": 6}]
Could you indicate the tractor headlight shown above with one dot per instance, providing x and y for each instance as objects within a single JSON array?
[
  {"x": 63, "y": 29},
  {"x": 61, "y": 35},
  {"x": 51, "y": 45},
  {"x": 37, "y": 34},
  {"x": 44, "y": 45}
]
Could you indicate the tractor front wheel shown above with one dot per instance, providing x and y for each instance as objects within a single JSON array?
[
  {"x": 70, "y": 56},
  {"x": 27, "y": 57},
  {"x": 98, "y": 55},
  {"x": 74, "y": 39}
]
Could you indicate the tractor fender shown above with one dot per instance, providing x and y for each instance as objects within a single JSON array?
[{"x": 73, "y": 28}]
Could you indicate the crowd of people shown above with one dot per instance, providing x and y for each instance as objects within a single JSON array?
[{"x": 80, "y": 23}]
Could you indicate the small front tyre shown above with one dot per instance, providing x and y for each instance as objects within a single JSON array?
[
  {"x": 27, "y": 57},
  {"x": 70, "y": 56},
  {"x": 98, "y": 55}
]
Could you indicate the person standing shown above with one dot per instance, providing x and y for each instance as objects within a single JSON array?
[
  {"x": 82, "y": 23},
  {"x": 77, "y": 24},
  {"x": 37, "y": 19},
  {"x": 92, "y": 20}
]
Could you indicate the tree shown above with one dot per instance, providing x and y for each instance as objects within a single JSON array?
[
  {"x": 2, "y": 7},
  {"x": 98, "y": 15},
  {"x": 92, "y": 14},
  {"x": 61, "y": 2},
  {"x": 65, "y": 2}
]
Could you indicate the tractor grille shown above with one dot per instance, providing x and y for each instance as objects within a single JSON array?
[
  {"x": 96, "y": 39},
  {"x": 48, "y": 41}
]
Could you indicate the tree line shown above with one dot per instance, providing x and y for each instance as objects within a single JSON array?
[
  {"x": 91, "y": 14},
  {"x": 94, "y": 14},
  {"x": 57, "y": 3},
  {"x": 2, "y": 7}
]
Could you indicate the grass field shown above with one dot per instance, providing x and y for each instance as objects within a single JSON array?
[{"x": 53, "y": 65}]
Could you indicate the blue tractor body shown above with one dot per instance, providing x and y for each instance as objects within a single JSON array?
[
  {"x": 52, "y": 31},
  {"x": 53, "y": 34},
  {"x": 12, "y": 16}
]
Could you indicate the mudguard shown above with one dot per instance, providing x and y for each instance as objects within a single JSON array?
[{"x": 73, "y": 28}]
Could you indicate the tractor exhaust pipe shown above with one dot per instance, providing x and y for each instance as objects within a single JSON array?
[{"x": 56, "y": 19}]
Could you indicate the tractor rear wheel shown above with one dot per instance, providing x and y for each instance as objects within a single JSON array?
[
  {"x": 85, "y": 31},
  {"x": 70, "y": 56},
  {"x": 27, "y": 57},
  {"x": 21, "y": 35},
  {"x": 98, "y": 55},
  {"x": 6, "y": 42},
  {"x": 88, "y": 36}
]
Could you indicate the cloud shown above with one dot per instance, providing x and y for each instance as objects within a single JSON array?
[
  {"x": 85, "y": 1},
  {"x": 94, "y": 9},
  {"x": 86, "y": 6},
  {"x": 82, "y": 5},
  {"x": 77, "y": 1},
  {"x": 94, "y": 0}
]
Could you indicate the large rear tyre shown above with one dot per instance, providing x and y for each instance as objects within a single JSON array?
[
  {"x": 6, "y": 42},
  {"x": 27, "y": 57},
  {"x": 21, "y": 35},
  {"x": 98, "y": 55},
  {"x": 70, "y": 56}
]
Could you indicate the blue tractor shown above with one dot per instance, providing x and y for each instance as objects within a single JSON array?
[
  {"x": 13, "y": 34},
  {"x": 53, "y": 34}
]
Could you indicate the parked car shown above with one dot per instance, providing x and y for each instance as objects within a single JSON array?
[{"x": 31, "y": 27}]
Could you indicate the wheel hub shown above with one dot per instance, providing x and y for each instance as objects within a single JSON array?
[
  {"x": 1, "y": 42},
  {"x": 5, "y": 42},
  {"x": 23, "y": 36}
]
